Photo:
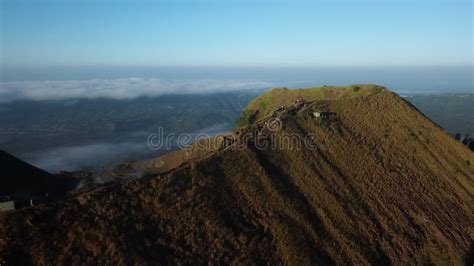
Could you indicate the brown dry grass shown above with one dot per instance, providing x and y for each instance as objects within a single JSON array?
[{"x": 387, "y": 186}]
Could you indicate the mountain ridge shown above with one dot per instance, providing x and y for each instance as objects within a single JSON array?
[
  {"x": 19, "y": 179},
  {"x": 380, "y": 184}
]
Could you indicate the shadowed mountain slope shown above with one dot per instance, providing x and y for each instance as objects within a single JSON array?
[
  {"x": 22, "y": 180},
  {"x": 377, "y": 183}
]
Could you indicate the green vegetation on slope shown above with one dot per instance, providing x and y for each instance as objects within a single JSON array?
[{"x": 246, "y": 118}]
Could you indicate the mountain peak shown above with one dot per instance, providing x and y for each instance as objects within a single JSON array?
[
  {"x": 276, "y": 98},
  {"x": 372, "y": 181}
]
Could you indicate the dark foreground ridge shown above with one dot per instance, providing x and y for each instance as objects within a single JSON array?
[
  {"x": 20, "y": 180},
  {"x": 381, "y": 184}
]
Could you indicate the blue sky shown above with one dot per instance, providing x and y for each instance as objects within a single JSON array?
[{"x": 236, "y": 33}]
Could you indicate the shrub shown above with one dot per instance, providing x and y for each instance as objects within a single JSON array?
[{"x": 246, "y": 118}]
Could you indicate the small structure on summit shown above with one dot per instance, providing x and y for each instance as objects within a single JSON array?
[
  {"x": 227, "y": 140},
  {"x": 299, "y": 103},
  {"x": 6, "y": 204},
  {"x": 9, "y": 204},
  {"x": 279, "y": 109},
  {"x": 323, "y": 115}
]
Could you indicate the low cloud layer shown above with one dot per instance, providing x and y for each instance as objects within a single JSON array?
[
  {"x": 122, "y": 88},
  {"x": 85, "y": 156},
  {"x": 104, "y": 155}
]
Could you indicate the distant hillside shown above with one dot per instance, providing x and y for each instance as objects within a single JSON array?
[
  {"x": 372, "y": 182},
  {"x": 455, "y": 113},
  {"x": 19, "y": 179}
]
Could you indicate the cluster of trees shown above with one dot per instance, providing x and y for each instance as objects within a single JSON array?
[{"x": 468, "y": 141}]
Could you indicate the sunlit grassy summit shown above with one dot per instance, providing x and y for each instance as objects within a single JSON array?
[{"x": 278, "y": 97}]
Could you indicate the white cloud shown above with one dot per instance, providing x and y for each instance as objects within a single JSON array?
[
  {"x": 76, "y": 158},
  {"x": 123, "y": 88},
  {"x": 108, "y": 154}
]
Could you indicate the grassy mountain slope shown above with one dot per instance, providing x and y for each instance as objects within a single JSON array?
[
  {"x": 382, "y": 185},
  {"x": 273, "y": 99}
]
